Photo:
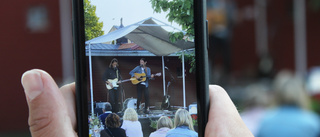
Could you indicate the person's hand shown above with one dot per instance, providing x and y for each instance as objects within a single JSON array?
[
  {"x": 51, "y": 110},
  {"x": 110, "y": 84},
  {"x": 224, "y": 119}
]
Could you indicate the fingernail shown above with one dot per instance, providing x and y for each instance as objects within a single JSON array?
[{"x": 32, "y": 84}]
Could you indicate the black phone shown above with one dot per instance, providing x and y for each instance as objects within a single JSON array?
[{"x": 139, "y": 61}]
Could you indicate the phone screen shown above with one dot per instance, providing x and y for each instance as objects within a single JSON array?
[{"x": 140, "y": 68}]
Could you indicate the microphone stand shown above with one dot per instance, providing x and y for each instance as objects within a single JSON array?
[{"x": 167, "y": 96}]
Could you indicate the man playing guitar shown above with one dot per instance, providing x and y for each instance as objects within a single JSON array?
[
  {"x": 142, "y": 87},
  {"x": 112, "y": 73}
]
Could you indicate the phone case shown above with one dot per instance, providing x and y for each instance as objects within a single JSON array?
[{"x": 82, "y": 76}]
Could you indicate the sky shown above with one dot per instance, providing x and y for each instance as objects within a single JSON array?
[{"x": 132, "y": 11}]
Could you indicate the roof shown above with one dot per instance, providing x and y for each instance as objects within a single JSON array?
[
  {"x": 102, "y": 46},
  {"x": 131, "y": 46},
  {"x": 149, "y": 35},
  {"x": 114, "y": 50}
]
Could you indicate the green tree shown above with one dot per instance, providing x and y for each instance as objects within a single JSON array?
[
  {"x": 181, "y": 12},
  {"x": 314, "y": 5},
  {"x": 93, "y": 28}
]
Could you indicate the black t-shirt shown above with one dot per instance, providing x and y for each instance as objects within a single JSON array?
[
  {"x": 113, "y": 132},
  {"x": 111, "y": 73}
]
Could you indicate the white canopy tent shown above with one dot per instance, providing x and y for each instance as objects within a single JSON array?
[{"x": 150, "y": 36}]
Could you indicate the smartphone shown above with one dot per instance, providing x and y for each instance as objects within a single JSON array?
[{"x": 135, "y": 55}]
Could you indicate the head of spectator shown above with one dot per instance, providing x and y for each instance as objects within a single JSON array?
[
  {"x": 130, "y": 114},
  {"x": 107, "y": 107},
  {"x": 164, "y": 121},
  {"x": 289, "y": 89},
  {"x": 183, "y": 118},
  {"x": 113, "y": 121},
  {"x": 256, "y": 95}
]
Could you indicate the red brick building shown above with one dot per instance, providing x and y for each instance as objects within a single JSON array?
[{"x": 31, "y": 37}]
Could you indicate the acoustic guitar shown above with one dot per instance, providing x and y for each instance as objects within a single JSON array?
[{"x": 142, "y": 77}]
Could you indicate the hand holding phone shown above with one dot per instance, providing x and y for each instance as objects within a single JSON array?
[
  {"x": 51, "y": 109},
  {"x": 61, "y": 121}
]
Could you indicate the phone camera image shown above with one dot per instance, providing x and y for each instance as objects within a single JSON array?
[{"x": 140, "y": 68}]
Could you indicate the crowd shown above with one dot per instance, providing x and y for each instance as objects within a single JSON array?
[
  {"x": 281, "y": 108},
  {"x": 131, "y": 127}
]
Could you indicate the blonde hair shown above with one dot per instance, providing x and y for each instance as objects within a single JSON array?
[
  {"x": 290, "y": 90},
  {"x": 164, "y": 121},
  {"x": 257, "y": 95},
  {"x": 183, "y": 118},
  {"x": 130, "y": 114}
]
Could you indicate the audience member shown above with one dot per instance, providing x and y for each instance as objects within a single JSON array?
[
  {"x": 164, "y": 124},
  {"x": 106, "y": 111},
  {"x": 131, "y": 124},
  {"x": 97, "y": 110},
  {"x": 256, "y": 101},
  {"x": 113, "y": 127},
  {"x": 291, "y": 117},
  {"x": 183, "y": 125}
]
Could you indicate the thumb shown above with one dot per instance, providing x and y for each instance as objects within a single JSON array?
[{"x": 48, "y": 114}]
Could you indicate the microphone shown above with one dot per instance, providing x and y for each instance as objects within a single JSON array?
[
  {"x": 166, "y": 67},
  {"x": 168, "y": 84}
]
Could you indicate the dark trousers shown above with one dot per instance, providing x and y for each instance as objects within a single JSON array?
[
  {"x": 113, "y": 98},
  {"x": 142, "y": 89}
]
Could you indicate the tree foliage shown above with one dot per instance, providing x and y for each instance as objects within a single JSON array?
[
  {"x": 314, "y": 5},
  {"x": 181, "y": 12},
  {"x": 93, "y": 28}
]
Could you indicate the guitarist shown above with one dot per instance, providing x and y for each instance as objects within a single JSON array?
[
  {"x": 142, "y": 87},
  {"x": 113, "y": 72}
]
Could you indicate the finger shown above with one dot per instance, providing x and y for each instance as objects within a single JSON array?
[
  {"x": 224, "y": 119},
  {"x": 69, "y": 94},
  {"x": 48, "y": 115}
]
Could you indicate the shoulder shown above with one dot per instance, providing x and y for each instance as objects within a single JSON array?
[
  {"x": 124, "y": 122},
  {"x": 135, "y": 69},
  {"x": 194, "y": 133},
  {"x": 137, "y": 123},
  {"x": 152, "y": 134},
  {"x": 311, "y": 118},
  {"x": 171, "y": 131},
  {"x": 181, "y": 131},
  {"x": 104, "y": 133},
  {"x": 120, "y": 130}
]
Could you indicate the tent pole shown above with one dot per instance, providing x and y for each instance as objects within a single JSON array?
[
  {"x": 163, "y": 77},
  {"x": 184, "y": 81},
  {"x": 300, "y": 37},
  {"x": 91, "y": 88}
]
